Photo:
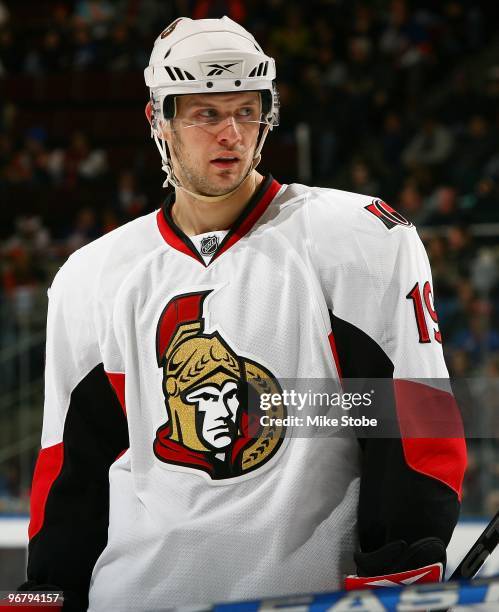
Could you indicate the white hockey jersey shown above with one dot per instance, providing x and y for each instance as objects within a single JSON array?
[{"x": 150, "y": 491}]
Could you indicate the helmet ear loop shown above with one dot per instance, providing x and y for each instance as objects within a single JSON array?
[
  {"x": 162, "y": 145},
  {"x": 167, "y": 166},
  {"x": 257, "y": 156}
]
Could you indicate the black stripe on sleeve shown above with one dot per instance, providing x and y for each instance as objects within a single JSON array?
[
  {"x": 395, "y": 501},
  {"x": 74, "y": 531}
]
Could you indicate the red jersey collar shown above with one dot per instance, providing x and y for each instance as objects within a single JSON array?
[{"x": 253, "y": 210}]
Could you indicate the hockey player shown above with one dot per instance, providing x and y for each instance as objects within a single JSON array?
[{"x": 154, "y": 487}]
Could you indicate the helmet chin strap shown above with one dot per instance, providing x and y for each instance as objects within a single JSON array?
[{"x": 173, "y": 180}]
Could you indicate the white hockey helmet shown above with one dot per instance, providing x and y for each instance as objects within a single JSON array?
[{"x": 207, "y": 56}]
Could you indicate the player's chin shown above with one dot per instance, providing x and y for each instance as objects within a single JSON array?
[{"x": 227, "y": 179}]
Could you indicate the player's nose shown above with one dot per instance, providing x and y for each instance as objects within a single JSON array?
[{"x": 230, "y": 133}]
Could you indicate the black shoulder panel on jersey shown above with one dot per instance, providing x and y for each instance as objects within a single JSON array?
[
  {"x": 74, "y": 530},
  {"x": 360, "y": 356},
  {"x": 395, "y": 502}
]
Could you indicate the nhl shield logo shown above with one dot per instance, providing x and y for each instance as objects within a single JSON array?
[
  {"x": 209, "y": 390},
  {"x": 209, "y": 245}
]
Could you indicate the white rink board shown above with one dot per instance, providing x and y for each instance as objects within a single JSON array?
[{"x": 14, "y": 534}]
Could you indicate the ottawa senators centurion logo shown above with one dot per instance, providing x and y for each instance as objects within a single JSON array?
[{"x": 209, "y": 391}]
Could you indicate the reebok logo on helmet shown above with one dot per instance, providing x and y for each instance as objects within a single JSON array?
[{"x": 232, "y": 69}]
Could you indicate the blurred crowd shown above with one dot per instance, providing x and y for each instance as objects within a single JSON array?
[{"x": 399, "y": 99}]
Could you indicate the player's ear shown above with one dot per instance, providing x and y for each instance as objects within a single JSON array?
[
  {"x": 148, "y": 112},
  {"x": 163, "y": 129}
]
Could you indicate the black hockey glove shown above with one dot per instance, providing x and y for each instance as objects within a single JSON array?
[{"x": 399, "y": 564}]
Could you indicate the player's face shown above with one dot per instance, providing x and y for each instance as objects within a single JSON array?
[
  {"x": 216, "y": 413},
  {"x": 212, "y": 142}
]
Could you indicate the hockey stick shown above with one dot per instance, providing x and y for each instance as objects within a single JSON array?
[
  {"x": 478, "y": 553},
  {"x": 389, "y": 599}
]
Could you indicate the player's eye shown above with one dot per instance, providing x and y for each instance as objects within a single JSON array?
[
  {"x": 208, "y": 114},
  {"x": 247, "y": 112}
]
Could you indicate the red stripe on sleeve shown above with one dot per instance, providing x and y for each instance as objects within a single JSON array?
[
  {"x": 47, "y": 469},
  {"x": 117, "y": 380},
  {"x": 432, "y": 432},
  {"x": 332, "y": 344},
  {"x": 121, "y": 454}
]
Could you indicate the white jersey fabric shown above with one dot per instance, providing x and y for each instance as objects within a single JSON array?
[{"x": 185, "y": 533}]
